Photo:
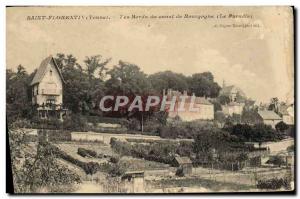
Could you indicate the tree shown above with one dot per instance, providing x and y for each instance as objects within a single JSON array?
[
  {"x": 220, "y": 117},
  {"x": 217, "y": 105},
  {"x": 250, "y": 116},
  {"x": 254, "y": 133},
  {"x": 211, "y": 141},
  {"x": 224, "y": 99},
  {"x": 274, "y": 104},
  {"x": 281, "y": 126},
  {"x": 291, "y": 148},
  {"x": 168, "y": 80},
  {"x": 94, "y": 63},
  {"x": 32, "y": 172},
  {"x": 203, "y": 85},
  {"x": 127, "y": 78},
  {"x": 276, "y": 160},
  {"x": 18, "y": 94},
  {"x": 82, "y": 89}
]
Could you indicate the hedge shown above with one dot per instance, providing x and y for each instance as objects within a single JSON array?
[
  {"x": 274, "y": 183},
  {"x": 86, "y": 152}
]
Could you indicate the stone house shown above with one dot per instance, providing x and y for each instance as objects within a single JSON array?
[
  {"x": 269, "y": 117},
  {"x": 233, "y": 108},
  {"x": 205, "y": 108}
]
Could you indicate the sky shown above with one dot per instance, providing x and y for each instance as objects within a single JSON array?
[{"x": 259, "y": 60}]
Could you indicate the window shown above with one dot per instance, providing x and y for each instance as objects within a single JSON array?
[{"x": 50, "y": 101}]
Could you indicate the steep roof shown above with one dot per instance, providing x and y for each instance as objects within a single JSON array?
[
  {"x": 42, "y": 69},
  {"x": 269, "y": 115},
  {"x": 183, "y": 160}
]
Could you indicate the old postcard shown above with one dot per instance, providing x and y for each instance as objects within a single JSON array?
[{"x": 150, "y": 99}]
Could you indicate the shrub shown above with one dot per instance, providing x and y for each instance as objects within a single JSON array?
[
  {"x": 179, "y": 172},
  {"x": 86, "y": 152},
  {"x": 89, "y": 168},
  {"x": 114, "y": 159},
  {"x": 281, "y": 126},
  {"x": 290, "y": 148},
  {"x": 76, "y": 122},
  {"x": 274, "y": 183},
  {"x": 116, "y": 170},
  {"x": 276, "y": 160}
]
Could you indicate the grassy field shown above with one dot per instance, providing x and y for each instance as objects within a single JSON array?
[
  {"x": 198, "y": 182},
  {"x": 127, "y": 162},
  {"x": 140, "y": 164}
]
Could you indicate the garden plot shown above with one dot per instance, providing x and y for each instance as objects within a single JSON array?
[
  {"x": 71, "y": 148},
  {"x": 140, "y": 164}
]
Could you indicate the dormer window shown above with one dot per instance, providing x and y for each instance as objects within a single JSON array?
[{"x": 50, "y": 72}]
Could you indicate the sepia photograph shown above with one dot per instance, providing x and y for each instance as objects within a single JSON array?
[{"x": 150, "y": 99}]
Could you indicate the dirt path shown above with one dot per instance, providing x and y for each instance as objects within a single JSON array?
[{"x": 89, "y": 187}]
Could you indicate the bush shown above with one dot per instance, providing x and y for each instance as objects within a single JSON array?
[
  {"x": 274, "y": 183},
  {"x": 290, "y": 148},
  {"x": 179, "y": 172},
  {"x": 116, "y": 170},
  {"x": 281, "y": 127},
  {"x": 157, "y": 152},
  {"x": 76, "y": 122},
  {"x": 114, "y": 159},
  {"x": 255, "y": 133},
  {"x": 89, "y": 168},
  {"x": 276, "y": 160},
  {"x": 86, "y": 152}
]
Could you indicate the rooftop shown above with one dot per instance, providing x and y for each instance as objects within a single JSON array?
[
  {"x": 183, "y": 160},
  {"x": 42, "y": 69},
  {"x": 269, "y": 115}
]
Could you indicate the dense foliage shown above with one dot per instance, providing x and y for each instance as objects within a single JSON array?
[
  {"x": 32, "y": 172},
  {"x": 86, "y": 84},
  {"x": 254, "y": 133}
]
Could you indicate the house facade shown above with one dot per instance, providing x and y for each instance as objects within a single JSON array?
[
  {"x": 233, "y": 108},
  {"x": 236, "y": 100},
  {"x": 287, "y": 114},
  {"x": 232, "y": 92},
  {"x": 269, "y": 117},
  {"x": 47, "y": 90},
  {"x": 205, "y": 108}
]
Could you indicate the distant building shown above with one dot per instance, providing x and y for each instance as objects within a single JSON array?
[
  {"x": 234, "y": 93},
  {"x": 236, "y": 100},
  {"x": 269, "y": 117},
  {"x": 185, "y": 164},
  {"x": 47, "y": 90},
  {"x": 206, "y": 109},
  {"x": 287, "y": 113},
  {"x": 233, "y": 108},
  {"x": 133, "y": 181}
]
